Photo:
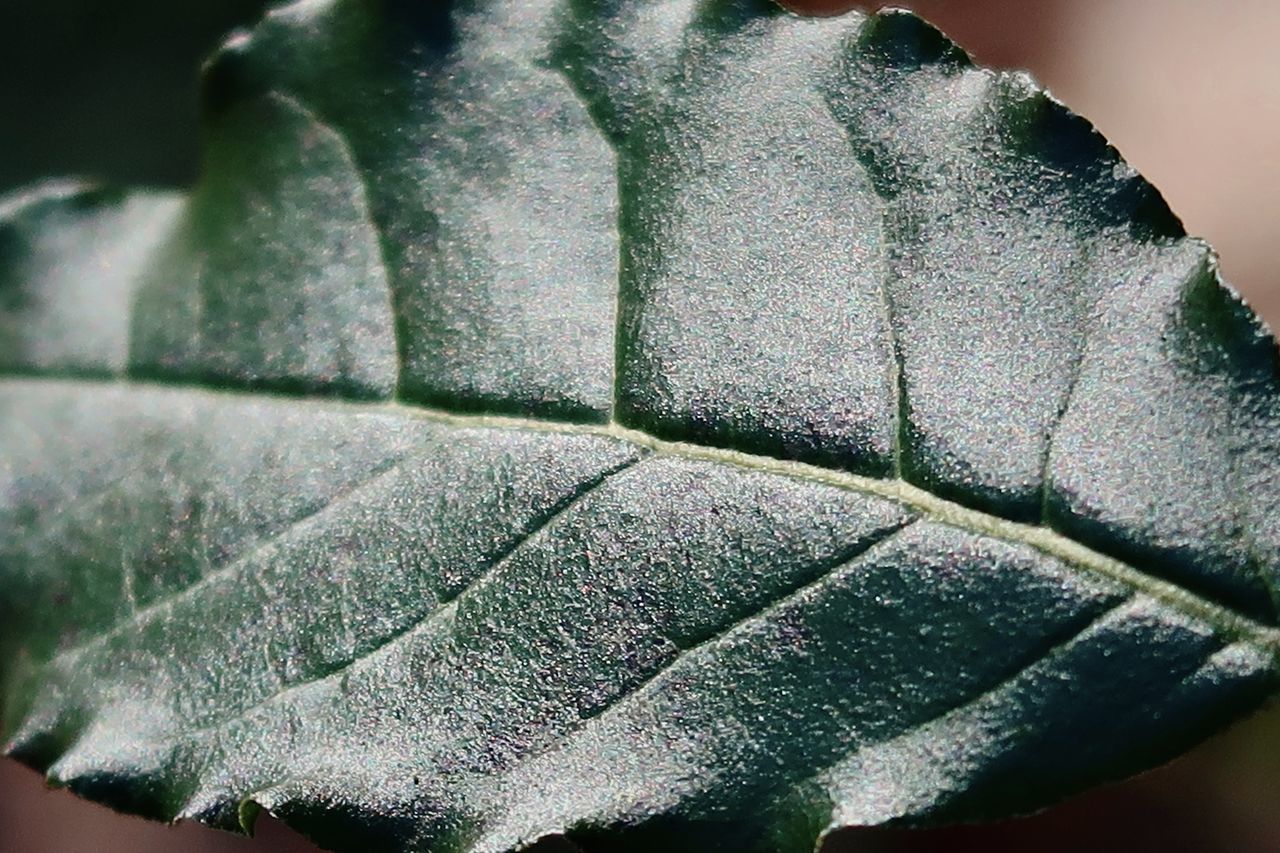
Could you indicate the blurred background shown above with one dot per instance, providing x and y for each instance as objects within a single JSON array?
[{"x": 1188, "y": 90}]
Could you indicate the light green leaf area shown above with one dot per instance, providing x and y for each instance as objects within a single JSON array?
[{"x": 675, "y": 424}]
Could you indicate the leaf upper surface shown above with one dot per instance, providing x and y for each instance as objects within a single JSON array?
[{"x": 754, "y": 426}]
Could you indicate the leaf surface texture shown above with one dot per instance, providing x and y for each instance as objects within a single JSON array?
[{"x": 648, "y": 422}]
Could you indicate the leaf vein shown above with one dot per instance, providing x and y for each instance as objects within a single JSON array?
[
  {"x": 445, "y": 606},
  {"x": 853, "y": 555},
  {"x": 377, "y": 476},
  {"x": 1224, "y": 618}
]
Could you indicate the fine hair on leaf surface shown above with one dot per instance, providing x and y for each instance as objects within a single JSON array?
[{"x": 680, "y": 424}]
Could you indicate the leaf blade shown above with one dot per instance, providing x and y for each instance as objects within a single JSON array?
[{"x": 779, "y": 447}]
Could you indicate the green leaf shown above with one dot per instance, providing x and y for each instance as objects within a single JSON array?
[{"x": 655, "y": 423}]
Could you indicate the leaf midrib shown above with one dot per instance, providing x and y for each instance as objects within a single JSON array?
[{"x": 1231, "y": 623}]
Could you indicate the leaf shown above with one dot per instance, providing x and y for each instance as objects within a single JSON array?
[{"x": 681, "y": 423}]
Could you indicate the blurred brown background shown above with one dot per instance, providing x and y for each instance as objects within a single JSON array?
[{"x": 1188, "y": 90}]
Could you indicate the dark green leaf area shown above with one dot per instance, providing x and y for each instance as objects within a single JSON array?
[
  {"x": 281, "y": 202},
  {"x": 828, "y": 240},
  {"x": 485, "y": 635},
  {"x": 834, "y": 241},
  {"x": 672, "y": 424},
  {"x": 493, "y": 192}
]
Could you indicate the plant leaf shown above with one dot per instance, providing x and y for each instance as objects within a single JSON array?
[{"x": 654, "y": 423}]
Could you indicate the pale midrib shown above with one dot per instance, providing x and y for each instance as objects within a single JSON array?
[{"x": 1230, "y": 623}]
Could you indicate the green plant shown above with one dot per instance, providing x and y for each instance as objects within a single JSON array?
[{"x": 681, "y": 423}]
